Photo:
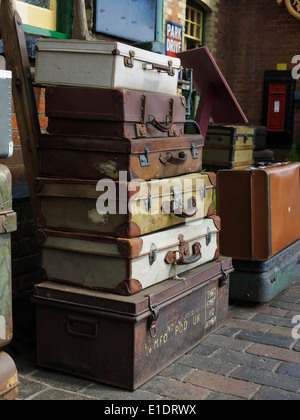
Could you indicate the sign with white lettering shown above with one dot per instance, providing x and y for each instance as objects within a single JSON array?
[{"x": 174, "y": 36}]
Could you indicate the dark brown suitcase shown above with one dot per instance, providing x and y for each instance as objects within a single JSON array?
[
  {"x": 125, "y": 341},
  {"x": 96, "y": 158},
  {"x": 114, "y": 112}
]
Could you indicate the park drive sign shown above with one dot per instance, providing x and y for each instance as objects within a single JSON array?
[{"x": 173, "y": 39}]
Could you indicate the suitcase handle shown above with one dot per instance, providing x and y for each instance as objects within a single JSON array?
[
  {"x": 83, "y": 327},
  {"x": 170, "y": 158},
  {"x": 164, "y": 128},
  {"x": 169, "y": 207},
  {"x": 197, "y": 255},
  {"x": 159, "y": 67}
]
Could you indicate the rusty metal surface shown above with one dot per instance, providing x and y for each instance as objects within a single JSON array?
[{"x": 126, "y": 341}]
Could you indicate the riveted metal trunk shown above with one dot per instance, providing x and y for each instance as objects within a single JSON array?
[
  {"x": 125, "y": 342},
  {"x": 261, "y": 282},
  {"x": 229, "y": 147}
]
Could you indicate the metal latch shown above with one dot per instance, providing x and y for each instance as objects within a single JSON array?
[
  {"x": 194, "y": 150},
  {"x": 148, "y": 202},
  {"x": 153, "y": 318},
  {"x": 225, "y": 276},
  {"x": 145, "y": 158},
  {"x": 208, "y": 237},
  {"x": 153, "y": 254},
  {"x": 178, "y": 202}
]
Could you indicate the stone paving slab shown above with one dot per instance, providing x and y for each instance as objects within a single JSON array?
[{"x": 252, "y": 357}]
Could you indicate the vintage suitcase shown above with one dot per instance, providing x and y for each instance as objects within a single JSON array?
[
  {"x": 9, "y": 383},
  {"x": 229, "y": 147},
  {"x": 125, "y": 342},
  {"x": 105, "y": 64},
  {"x": 127, "y": 266},
  {"x": 259, "y": 209},
  {"x": 95, "y": 158},
  {"x": 123, "y": 209},
  {"x": 114, "y": 113},
  {"x": 8, "y": 224},
  {"x": 261, "y": 282}
]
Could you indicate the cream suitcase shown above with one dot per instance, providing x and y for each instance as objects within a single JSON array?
[
  {"x": 103, "y": 64},
  {"x": 127, "y": 266}
]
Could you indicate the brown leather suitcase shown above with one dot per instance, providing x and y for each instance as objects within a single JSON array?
[
  {"x": 259, "y": 209},
  {"x": 114, "y": 112},
  {"x": 95, "y": 158},
  {"x": 125, "y": 341}
]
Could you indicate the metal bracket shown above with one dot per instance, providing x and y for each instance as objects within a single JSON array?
[
  {"x": 153, "y": 254},
  {"x": 153, "y": 318},
  {"x": 208, "y": 237},
  {"x": 129, "y": 61},
  {"x": 148, "y": 202},
  {"x": 178, "y": 202},
  {"x": 145, "y": 158},
  {"x": 195, "y": 153}
]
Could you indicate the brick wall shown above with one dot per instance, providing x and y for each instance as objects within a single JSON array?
[{"x": 259, "y": 34}]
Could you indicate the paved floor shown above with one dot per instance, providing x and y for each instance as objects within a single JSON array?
[{"x": 253, "y": 357}]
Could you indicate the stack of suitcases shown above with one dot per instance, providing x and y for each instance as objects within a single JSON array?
[
  {"x": 128, "y": 235},
  {"x": 263, "y": 237}
]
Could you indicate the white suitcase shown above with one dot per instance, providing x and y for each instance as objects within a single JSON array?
[
  {"x": 105, "y": 64},
  {"x": 127, "y": 266}
]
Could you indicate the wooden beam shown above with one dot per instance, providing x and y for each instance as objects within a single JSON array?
[{"x": 23, "y": 94}]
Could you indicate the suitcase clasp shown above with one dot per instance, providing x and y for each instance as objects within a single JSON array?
[
  {"x": 145, "y": 158},
  {"x": 153, "y": 318},
  {"x": 129, "y": 61}
]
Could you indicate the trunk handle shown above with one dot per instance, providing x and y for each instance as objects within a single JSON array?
[
  {"x": 197, "y": 255},
  {"x": 169, "y": 207}
]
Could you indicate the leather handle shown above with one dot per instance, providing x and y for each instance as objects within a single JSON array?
[
  {"x": 163, "y": 127},
  {"x": 197, "y": 255},
  {"x": 170, "y": 158},
  {"x": 169, "y": 207}
]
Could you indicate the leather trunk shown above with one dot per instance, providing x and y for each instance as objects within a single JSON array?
[
  {"x": 127, "y": 266},
  {"x": 124, "y": 209},
  {"x": 94, "y": 158},
  {"x": 261, "y": 282},
  {"x": 8, "y": 224},
  {"x": 229, "y": 147},
  {"x": 259, "y": 209},
  {"x": 114, "y": 113},
  {"x": 124, "y": 342}
]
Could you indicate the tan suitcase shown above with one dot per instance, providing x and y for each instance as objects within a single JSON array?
[{"x": 124, "y": 209}]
